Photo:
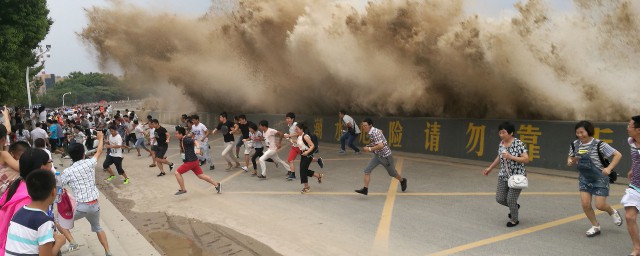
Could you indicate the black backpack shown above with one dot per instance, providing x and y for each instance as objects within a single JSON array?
[
  {"x": 314, "y": 139},
  {"x": 613, "y": 176}
]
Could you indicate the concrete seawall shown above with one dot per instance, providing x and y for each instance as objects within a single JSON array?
[{"x": 548, "y": 142}]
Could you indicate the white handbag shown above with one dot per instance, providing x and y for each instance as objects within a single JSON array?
[{"x": 517, "y": 181}]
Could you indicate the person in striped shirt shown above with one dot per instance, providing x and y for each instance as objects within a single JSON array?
[
  {"x": 31, "y": 231},
  {"x": 631, "y": 199}
]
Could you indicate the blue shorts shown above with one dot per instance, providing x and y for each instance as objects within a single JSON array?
[{"x": 599, "y": 187}]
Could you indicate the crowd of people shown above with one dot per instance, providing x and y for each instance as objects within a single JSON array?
[{"x": 29, "y": 183}]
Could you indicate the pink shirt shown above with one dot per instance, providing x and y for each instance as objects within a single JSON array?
[{"x": 19, "y": 199}]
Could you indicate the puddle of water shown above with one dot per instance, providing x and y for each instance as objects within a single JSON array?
[{"x": 175, "y": 245}]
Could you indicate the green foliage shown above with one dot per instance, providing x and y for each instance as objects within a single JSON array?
[
  {"x": 23, "y": 25},
  {"x": 85, "y": 88}
]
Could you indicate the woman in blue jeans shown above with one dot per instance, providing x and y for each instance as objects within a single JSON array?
[{"x": 594, "y": 177}]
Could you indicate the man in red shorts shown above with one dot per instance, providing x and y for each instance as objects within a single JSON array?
[{"x": 191, "y": 163}]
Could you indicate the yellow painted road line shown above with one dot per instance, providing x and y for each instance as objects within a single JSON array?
[
  {"x": 346, "y": 159},
  {"x": 403, "y": 194},
  {"x": 494, "y": 193},
  {"x": 522, "y": 232},
  {"x": 381, "y": 241},
  {"x": 298, "y": 193},
  {"x": 228, "y": 178}
]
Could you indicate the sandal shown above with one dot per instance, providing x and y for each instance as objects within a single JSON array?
[
  {"x": 305, "y": 190},
  {"x": 320, "y": 176}
]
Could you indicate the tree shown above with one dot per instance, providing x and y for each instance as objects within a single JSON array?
[
  {"x": 86, "y": 88},
  {"x": 23, "y": 25}
]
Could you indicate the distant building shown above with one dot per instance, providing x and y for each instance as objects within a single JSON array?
[{"x": 49, "y": 81}]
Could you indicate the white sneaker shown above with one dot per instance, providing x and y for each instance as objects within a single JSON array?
[
  {"x": 616, "y": 218},
  {"x": 245, "y": 168},
  {"x": 593, "y": 231},
  {"x": 72, "y": 247}
]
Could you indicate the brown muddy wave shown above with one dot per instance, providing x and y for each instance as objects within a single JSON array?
[{"x": 394, "y": 57}]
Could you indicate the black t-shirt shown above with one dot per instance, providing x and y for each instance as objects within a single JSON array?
[
  {"x": 161, "y": 136},
  {"x": 189, "y": 152},
  {"x": 244, "y": 128},
  {"x": 228, "y": 137}
]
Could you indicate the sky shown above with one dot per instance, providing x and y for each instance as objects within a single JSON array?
[{"x": 68, "y": 52}]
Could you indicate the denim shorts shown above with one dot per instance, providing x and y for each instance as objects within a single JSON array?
[{"x": 597, "y": 187}]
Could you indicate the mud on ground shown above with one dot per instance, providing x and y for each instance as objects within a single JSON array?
[{"x": 180, "y": 236}]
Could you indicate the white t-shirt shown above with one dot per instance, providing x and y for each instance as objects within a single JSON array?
[
  {"x": 139, "y": 132},
  {"x": 293, "y": 134},
  {"x": 270, "y": 138},
  {"x": 303, "y": 147},
  {"x": 39, "y": 133},
  {"x": 79, "y": 137},
  {"x": 115, "y": 141},
  {"x": 199, "y": 131},
  {"x": 129, "y": 126},
  {"x": 152, "y": 136},
  {"x": 349, "y": 120},
  {"x": 43, "y": 117}
]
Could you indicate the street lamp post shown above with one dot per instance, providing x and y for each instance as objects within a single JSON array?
[
  {"x": 42, "y": 52},
  {"x": 65, "y": 94}
]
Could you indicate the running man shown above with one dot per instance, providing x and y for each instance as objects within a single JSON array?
[
  {"x": 349, "y": 133},
  {"x": 114, "y": 156},
  {"x": 243, "y": 127},
  {"x": 191, "y": 148},
  {"x": 139, "y": 132},
  {"x": 381, "y": 155},
  {"x": 226, "y": 127},
  {"x": 202, "y": 136},
  {"x": 162, "y": 137},
  {"x": 270, "y": 137}
]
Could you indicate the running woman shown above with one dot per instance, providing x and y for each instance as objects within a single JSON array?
[{"x": 306, "y": 146}]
